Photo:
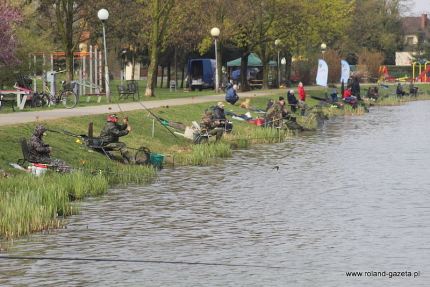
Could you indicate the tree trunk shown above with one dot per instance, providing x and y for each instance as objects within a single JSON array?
[
  {"x": 152, "y": 74},
  {"x": 183, "y": 76},
  {"x": 64, "y": 16},
  {"x": 168, "y": 74},
  {"x": 265, "y": 61},
  {"x": 133, "y": 66},
  {"x": 176, "y": 69},
  {"x": 288, "y": 65},
  {"x": 153, "y": 64},
  {"x": 244, "y": 85},
  {"x": 162, "y": 76},
  {"x": 69, "y": 65}
]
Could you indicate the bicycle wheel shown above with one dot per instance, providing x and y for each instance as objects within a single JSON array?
[{"x": 69, "y": 99}]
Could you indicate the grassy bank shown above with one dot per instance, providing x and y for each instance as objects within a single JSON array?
[{"x": 29, "y": 204}]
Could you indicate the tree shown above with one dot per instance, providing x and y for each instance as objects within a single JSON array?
[
  {"x": 375, "y": 25},
  {"x": 370, "y": 61},
  {"x": 307, "y": 24},
  {"x": 9, "y": 17},
  {"x": 68, "y": 17},
  {"x": 159, "y": 19},
  {"x": 255, "y": 19}
]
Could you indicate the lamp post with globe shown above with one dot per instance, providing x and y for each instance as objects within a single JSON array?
[
  {"x": 277, "y": 44},
  {"x": 103, "y": 15},
  {"x": 323, "y": 49},
  {"x": 215, "y": 33}
]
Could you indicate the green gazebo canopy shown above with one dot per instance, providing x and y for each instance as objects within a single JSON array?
[{"x": 253, "y": 61}]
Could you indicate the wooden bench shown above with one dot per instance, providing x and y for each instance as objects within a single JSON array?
[
  {"x": 255, "y": 84},
  {"x": 7, "y": 99},
  {"x": 132, "y": 89}
]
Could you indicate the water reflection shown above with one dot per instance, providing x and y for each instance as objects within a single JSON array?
[{"x": 351, "y": 197}]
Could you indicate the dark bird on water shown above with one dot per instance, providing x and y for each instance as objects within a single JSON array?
[{"x": 276, "y": 167}]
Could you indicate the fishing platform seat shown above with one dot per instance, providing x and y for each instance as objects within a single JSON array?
[
  {"x": 26, "y": 154},
  {"x": 96, "y": 143},
  {"x": 131, "y": 88},
  {"x": 200, "y": 135}
]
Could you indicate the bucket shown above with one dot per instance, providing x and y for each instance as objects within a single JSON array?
[
  {"x": 156, "y": 159},
  {"x": 38, "y": 169}
]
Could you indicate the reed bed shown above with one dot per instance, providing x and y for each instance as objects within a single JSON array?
[
  {"x": 396, "y": 101},
  {"x": 388, "y": 101},
  {"x": 258, "y": 135},
  {"x": 204, "y": 154},
  {"x": 29, "y": 204}
]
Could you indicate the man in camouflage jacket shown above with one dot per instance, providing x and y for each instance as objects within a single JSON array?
[
  {"x": 40, "y": 152},
  {"x": 111, "y": 133}
]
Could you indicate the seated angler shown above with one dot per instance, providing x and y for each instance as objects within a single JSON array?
[
  {"x": 399, "y": 90},
  {"x": 111, "y": 133},
  {"x": 413, "y": 91},
  {"x": 349, "y": 98},
  {"x": 373, "y": 93},
  {"x": 292, "y": 101},
  {"x": 231, "y": 94},
  {"x": 275, "y": 113},
  {"x": 211, "y": 125},
  {"x": 219, "y": 115},
  {"x": 40, "y": 152},
  {"x": 334, "y": 96}
]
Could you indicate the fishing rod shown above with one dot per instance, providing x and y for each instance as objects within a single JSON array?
[
  {"x": 67, "y": 133},
  {"x": 11, "y": 257},
  {"x": 157, "y": 118}
]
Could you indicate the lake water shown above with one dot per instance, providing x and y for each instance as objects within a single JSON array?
[{"x": 352, "y": 197}]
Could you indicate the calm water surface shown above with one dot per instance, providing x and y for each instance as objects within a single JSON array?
[{"x": 355, "y": 196}]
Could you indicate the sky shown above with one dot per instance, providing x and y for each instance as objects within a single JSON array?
[{"x": 420, "y": 6}]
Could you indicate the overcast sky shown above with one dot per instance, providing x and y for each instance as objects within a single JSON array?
[{"x": 420, "y": 6}]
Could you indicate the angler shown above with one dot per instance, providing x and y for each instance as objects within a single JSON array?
[
  {"x": 111, "y": 133},
  {"x": 40, "y": 152}
]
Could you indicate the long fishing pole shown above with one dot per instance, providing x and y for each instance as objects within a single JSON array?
[
  {"x": 135, "y": 261},
  {"x": 157, "y": 118},
  {"x": 67, "y": 133}
]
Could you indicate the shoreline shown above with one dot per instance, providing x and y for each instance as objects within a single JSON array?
[{"x": 61, "y": 190}]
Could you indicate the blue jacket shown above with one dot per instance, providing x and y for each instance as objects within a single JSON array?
[{"x": 231, "y": 94}]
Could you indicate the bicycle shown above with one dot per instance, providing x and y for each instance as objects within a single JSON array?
[{"x": 66, "y": 95}]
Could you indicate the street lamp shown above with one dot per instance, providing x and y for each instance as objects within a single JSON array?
[
  {"x": 323, "y": 48},
  {"x": 123, "y": 52},
  {"x": 277, "y": 44},
  {"x": 283, "y": 62},
  {"x": 103, "y": 15},
  {"x": 215, "y": 33}
]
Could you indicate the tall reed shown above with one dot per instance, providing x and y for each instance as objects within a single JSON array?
[{"x": 204, "y": 154}]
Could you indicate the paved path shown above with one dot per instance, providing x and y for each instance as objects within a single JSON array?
[{"x": 26, "y": 117}]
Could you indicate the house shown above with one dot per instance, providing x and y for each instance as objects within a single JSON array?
[{"x": 416, "y": 33}]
